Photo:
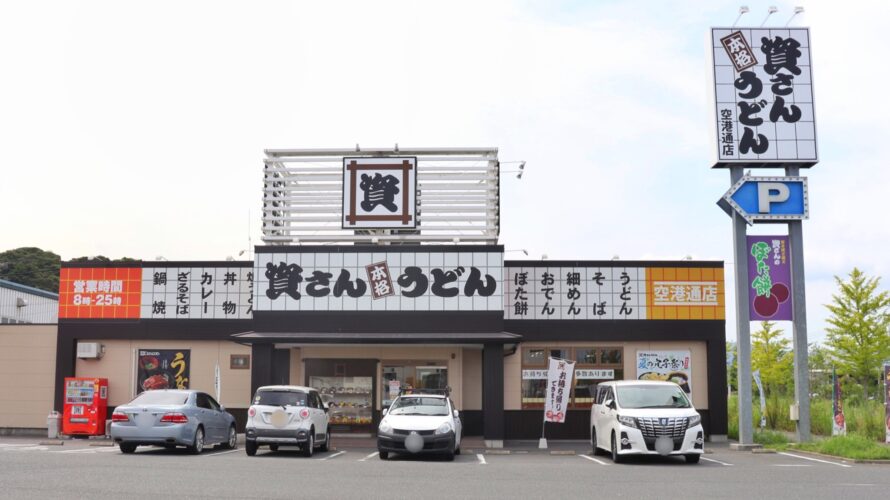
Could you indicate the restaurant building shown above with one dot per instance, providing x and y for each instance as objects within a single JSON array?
[{"x": 381, "y": 270}]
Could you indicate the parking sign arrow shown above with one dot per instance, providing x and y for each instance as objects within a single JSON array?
[{"x": 768, "y": 199}]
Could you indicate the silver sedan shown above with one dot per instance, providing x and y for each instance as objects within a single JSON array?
[{"x": 172, "y": 418}]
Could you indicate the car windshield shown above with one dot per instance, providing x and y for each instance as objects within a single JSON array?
[
  {"x": 160, "y": 398},
  {"x": 418, "y": 405},
  {"x": 652, "y": 396},
  {"x": 280, "y": 398}
]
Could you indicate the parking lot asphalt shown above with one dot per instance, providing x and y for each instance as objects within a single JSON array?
[{"x": 79, "y": 468}]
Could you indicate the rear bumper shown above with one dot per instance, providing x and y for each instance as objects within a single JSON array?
[
  {"x": 174, "y": 434},
  {"x": 395, "y": 443},
  {"x": 277, "y": 436}
]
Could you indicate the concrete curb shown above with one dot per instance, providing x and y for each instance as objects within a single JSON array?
[{"x": 51, "y": 443}]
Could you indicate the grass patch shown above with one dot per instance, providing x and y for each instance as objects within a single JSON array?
[
  {"x": 770, "y": 438},
  {"x": 852, "y": 446}
]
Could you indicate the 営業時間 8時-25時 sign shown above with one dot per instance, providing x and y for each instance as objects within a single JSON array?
[{"x": 763, "y": 97}]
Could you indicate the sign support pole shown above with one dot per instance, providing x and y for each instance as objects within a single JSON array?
[
  {"x": 743, "y": 324},
  {"x": 801, "y": 354}
]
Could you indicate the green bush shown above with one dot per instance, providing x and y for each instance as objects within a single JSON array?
[{"x": 863, "y": 419}]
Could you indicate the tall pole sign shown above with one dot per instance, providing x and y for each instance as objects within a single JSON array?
[{"x": 763, "y": 117}]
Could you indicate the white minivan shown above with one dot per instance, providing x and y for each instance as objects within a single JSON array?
[{"x": 635, "y": 417}]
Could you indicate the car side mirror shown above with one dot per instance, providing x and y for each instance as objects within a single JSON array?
[
  {"x": 325, "y": 407},
  {"x": 454, "y": 413},
  {"x": 385, "y": 410},
  {"x": 222, "y": 408},
  {"x": 610, "y": 403}
]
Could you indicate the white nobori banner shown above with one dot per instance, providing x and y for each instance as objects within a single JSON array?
[{"x": 559, "y": 388}]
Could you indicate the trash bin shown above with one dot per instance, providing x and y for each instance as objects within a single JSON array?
[{"x": 52, "y": 425}]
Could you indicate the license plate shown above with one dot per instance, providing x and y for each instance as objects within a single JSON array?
[{"x": 77, "y": 410}]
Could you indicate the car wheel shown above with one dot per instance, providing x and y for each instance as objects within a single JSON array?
[
  {"x": 232, "y": 443},
  {"x": 250, "y": 447},
  {"x": 449, "y": 455},
  {"x": 198, "y": 444},
  {"x": 127, "y": 448},
  {"x": 615, "y": 456},
  {"x": 309, "y": 447},
  {"x": 693, "y": 458},
  {"x": 273, "y": 447},
  {"x": 384, "y": 455},
  {"x": 457, "y": 451},
  {"x": 324, "y": 446}
]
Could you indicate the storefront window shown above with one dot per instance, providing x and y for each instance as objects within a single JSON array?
[
  {"x": 585, "y": 356},
  {"x": 593, "y": 366},
  {"x": 611, "y": 356},
  {"x": 534, "y": 357},
  {"x": 399, "y": 377},
  {"x": 349, "y": 398},
  {"x": 562, "y": 353}
]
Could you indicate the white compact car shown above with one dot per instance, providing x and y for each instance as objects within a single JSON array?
[
  {"x": 632, "y": 417},
  {"x": 287, "y": 415},
  {"x": 420, "y": 422}
]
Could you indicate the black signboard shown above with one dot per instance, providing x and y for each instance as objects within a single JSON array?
[{"x": 162, "y": 369}]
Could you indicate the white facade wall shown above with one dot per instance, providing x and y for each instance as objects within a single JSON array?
[{"x": 40, "y": 309}]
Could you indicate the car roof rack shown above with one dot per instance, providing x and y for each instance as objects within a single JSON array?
[{"x": 433, "y": 392}]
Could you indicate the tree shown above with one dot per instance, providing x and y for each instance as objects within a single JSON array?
[
  {"x": 820, "y": 362},
  {"x": 858, "y": 337},
  {"x": 732, "y": 365},
  {"x": 31, "y": 266},
  {"x": 771, "y": 354},
  {"x": 38, "y": 268}
]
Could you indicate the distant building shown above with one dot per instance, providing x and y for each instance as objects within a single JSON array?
[{"x": 24, "y": 304}]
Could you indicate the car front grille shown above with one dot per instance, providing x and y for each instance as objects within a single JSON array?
[
  {"x": 405, "y": 432},
  {"x": 673, "y": 427}
]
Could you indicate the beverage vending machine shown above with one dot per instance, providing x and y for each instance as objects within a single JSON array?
[{"x": 86, "y": 406}]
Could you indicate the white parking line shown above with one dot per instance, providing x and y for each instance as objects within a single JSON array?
[
  {"x": 813, "y": 459},
  {"x": 30, "y": 448},
  {"x": 10, "y": 445},
  {"x": 335, "y": 455},
  {"x": 372, "y": 455},
  {"x": 221, "y": 453},
  {"x": 79, "y": 450},
  {"x": 716, "y": 461},
  {"x": 593, "y": 459},
  {"x": 792, "y": 465},
  {"x": 481, "y": 459}
]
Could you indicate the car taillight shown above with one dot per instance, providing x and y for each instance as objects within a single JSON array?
[
  {"x": 119, "y": 417},
  {"x": 304, "y": 413},
  {"x": 251, "y": 412},
  {"x": 174, "y": 418}
]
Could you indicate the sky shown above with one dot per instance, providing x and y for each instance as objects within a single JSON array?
[{"x": 137, "y": 128}]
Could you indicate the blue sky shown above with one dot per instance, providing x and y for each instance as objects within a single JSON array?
[{"x": 138, "y": 129}]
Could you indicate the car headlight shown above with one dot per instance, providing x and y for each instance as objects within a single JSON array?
[
  {"x": 385, "y": 427},
  {"x": 445, "y": 428},
  {"x": 694, "y": 420},
  {"x": 628, "y": 421}
]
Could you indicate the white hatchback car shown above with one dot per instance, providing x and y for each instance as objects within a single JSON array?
[
  {"x": 287, "y": 415},
  {"x": 633, "y": 417},
  {"x": 420, "y": 422}
]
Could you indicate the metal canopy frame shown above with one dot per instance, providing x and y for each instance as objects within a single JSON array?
[{"x": 458, "y": 197}]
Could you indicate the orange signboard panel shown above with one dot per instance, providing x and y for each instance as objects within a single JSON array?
[
  {"x": 685, "y": 293},
  {"x": 103, "y": 292}
]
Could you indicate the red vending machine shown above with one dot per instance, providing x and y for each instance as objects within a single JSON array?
[{"x": 86, "y": 406}]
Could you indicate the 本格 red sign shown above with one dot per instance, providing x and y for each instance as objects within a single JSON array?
[{"x": 559, "y": 387}]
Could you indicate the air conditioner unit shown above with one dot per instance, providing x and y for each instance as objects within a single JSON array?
[{"x": 90, "y": 350}]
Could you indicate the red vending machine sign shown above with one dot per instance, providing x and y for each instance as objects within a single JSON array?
[{"x": 86, "y": 406}]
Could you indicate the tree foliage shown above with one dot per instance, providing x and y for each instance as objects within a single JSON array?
[
  {"x": 771, "y": 354},
  {"x": 38, "y": 268},
  {"x": 858, "y": 337},
  {"x": 31, "y": 266}
]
